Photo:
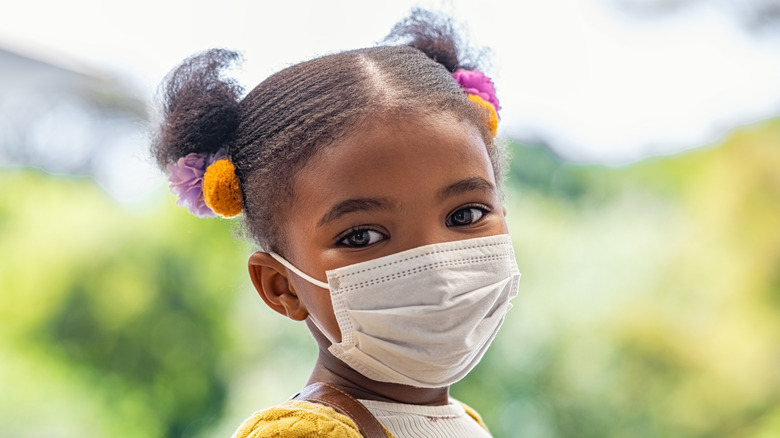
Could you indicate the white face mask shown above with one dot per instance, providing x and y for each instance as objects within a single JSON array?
[{"x": 422, "y": 317}]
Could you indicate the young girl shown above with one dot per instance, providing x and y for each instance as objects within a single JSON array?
[{"x": 370, "y": 178}]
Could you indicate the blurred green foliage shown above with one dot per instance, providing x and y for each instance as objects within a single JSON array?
[{"x": 649, "y": 306}]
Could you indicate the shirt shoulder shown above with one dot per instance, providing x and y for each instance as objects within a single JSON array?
[
  {"x": 473, "y": 414},
  {"x": 297, "y": 418}
]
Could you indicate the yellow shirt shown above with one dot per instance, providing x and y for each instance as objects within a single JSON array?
[
  {"x": 296, "y": 418},
  {"x": 302, "y": 419}
]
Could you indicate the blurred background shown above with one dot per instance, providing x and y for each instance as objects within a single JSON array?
[{"x": 643, "y": 198}]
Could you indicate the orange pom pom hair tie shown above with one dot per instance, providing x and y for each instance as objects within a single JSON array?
[
  {"x": 207, "y": 184},
  {"x": 480, "y": 90},
  {"x": 221, "y": 189},
  {"x": 493, "y": 121}
]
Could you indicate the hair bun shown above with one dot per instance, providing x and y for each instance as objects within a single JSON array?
[
  {"x": 433, "y": 34},
  {"x": 200, "y": 107}
]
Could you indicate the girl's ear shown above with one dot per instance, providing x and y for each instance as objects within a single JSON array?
[{"x": 270, "y": 280}]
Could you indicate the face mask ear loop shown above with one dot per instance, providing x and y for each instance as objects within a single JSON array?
[{"x": 297, "y": 271}]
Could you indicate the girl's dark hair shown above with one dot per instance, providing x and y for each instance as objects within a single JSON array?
[{"x": 286, "y": 119}]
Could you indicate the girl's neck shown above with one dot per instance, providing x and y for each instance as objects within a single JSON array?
[{"x": 329, "y": 369}]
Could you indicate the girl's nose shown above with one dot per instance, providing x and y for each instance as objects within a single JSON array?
[{"x": 428, "y": 235}]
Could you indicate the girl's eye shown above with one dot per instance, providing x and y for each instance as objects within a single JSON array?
[
  {"x": 361, "y": 237},
  {"x": 466, "y": 216}
]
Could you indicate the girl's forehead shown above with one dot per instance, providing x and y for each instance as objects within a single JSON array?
[
  {"x": 399, "y": 138},
  {"x": 403, "y": 159}
]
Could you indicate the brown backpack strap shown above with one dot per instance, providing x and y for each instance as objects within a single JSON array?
[{"x": 344, "y": 403}]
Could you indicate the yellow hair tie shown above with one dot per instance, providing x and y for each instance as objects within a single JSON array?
[
  {"x": 221, "y": 189},
  {"x": 493, "y": 121}
]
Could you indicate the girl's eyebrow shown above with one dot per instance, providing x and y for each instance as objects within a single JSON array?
[
  {"x": 352, "y": 205},
  {"x": 464, "y": 186}
]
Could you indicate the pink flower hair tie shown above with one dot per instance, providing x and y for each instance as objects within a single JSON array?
[{"x": 476, "y": 83}]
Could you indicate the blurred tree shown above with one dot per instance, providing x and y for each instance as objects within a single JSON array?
[
  {"x": 135, "y": 308},
  {"x": 652, "y": 311}
]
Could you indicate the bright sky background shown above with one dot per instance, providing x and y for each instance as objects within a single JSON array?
[{"x": 576, "y": 74}]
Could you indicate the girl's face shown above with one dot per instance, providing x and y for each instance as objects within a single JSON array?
[{"x": 393, "y": 187}]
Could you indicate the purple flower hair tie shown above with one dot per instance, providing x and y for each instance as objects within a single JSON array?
[
  {"x": 186, "y": 178},
  {"x": 475, "y": 82}
]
